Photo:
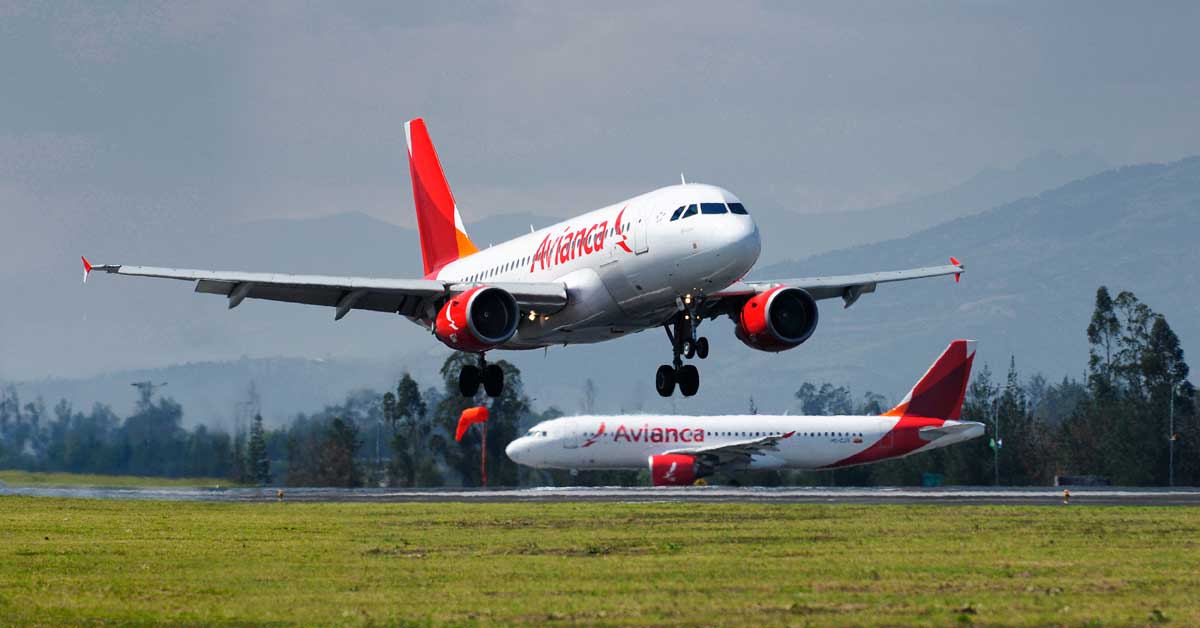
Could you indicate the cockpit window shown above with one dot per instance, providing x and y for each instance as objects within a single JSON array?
[
  {"x": 675, "y": 216},
  {"x": 738, "y": 208},
  {"x": 712, "y": 208},
  {"x": 691, "y": 211}
]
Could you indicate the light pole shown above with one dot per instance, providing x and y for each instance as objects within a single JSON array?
[
  {"x": 996, "y": 442},
  {"x": 1171, "y": 436}
]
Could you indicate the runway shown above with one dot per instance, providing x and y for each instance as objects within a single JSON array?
[{"x": 1048, "y": 496}]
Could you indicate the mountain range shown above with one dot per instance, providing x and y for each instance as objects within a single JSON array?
[{"x": 1033, "y": 268}]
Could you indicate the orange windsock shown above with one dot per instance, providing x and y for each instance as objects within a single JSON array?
[{"x": 478, "y": 414}]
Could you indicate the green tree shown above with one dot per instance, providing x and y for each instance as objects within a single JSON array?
[
  {"x": 827, "y": 400},
  {"x": 258, "y": 461},
  {"x": 413, "y": 462},
  {"x": 339, "y": 466}
]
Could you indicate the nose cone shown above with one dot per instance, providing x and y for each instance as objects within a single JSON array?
[
  {"x": 516, "y": 450},
  {"x": 739, "y": 234}
]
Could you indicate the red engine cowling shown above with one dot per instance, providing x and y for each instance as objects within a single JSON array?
[
  {"x": 478, "y": 319},
  {"x": 673, "y": 470},
  {"x": 777, "y": 320}
]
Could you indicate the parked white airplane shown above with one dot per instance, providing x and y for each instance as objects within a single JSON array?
[
  {"x": 683, "y": 449},
  {"x": 670, "y": 258}
]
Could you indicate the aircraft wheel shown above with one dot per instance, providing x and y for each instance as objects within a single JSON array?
[
  {"x": 493, "y": 380},
  {"x": 468, "y": 380},
  {"x": 664, "y": 380},
  {"x": 702, "y": 348},
  {"x": 689, "y": 349},
  {"x": 689, "y": 380}
]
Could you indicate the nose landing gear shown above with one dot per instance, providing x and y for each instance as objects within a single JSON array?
[
  {"x": 684, "y": 343},
  {"x": 490, "y": 375}
]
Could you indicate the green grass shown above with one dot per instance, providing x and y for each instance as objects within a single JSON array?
[
  {"x": 31, "y": 478},
  {"x": 132, "y": 562}
]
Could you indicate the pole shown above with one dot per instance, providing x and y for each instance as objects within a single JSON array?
[
  {"x": 1171, "y": 440},
  {"x": 996, "y": 444},
  {"x": 483, "y": 457}
]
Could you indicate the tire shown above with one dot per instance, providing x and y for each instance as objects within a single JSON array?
[
  {"x": 468, "y": 381},
  {"x": 664, "y": 380},
  {"x": 702, "y": 348},
  {"x": 689, "y": 380},
  {"x": 689, "y": 349},
  {"x": 493, "y": 380}
]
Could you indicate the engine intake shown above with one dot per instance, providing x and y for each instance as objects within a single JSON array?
[
  {"x": 777, "y": 320},
  {"x": 477, "y": 320},
  {"x": 674, "y": 470}
]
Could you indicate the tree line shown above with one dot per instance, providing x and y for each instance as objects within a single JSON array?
[{"x": 1115, "y": 422}]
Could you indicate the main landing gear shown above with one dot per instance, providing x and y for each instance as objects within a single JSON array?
[
  {"x": 490, "y": 375},
  {"x": 684, "y": 343}
]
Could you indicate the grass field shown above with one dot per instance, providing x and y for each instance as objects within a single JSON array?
[
  {"x": 126, "y": 562},
  {"x": 30, "y": 478}
]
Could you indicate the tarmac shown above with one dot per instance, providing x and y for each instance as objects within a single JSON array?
[{"x": 1040, "y": 496}]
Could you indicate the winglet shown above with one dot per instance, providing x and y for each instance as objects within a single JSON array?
[
  {"x": 954, "y": 260},
  {"x": 87, "y": 268}
]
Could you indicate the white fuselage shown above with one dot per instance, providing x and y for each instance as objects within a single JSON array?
[
  {"x": 808, "y": 442},
  {"x": 624, "y": 265}
]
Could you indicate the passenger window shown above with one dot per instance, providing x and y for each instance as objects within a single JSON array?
[
  {"x": 712, "y": 208},
  {"x": 691, "y": 211},
  {"x": 675, "y": 216},
  {"x": 738, "y": 208}
]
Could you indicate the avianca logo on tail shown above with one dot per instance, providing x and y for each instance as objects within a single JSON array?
[{"x": 573, "y": 244}]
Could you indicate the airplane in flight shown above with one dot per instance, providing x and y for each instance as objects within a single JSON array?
[
  {"x": 683, "y": 449},
  {"x": 670, "y": 258}
]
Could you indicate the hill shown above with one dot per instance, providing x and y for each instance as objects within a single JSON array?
[{"x": 1034, "y": 266}]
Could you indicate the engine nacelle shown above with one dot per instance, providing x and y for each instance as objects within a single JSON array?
[
  {"x": 477, "y": 320},
  {"x": 674, "y": 470},
  {"x": 777, "y": 320}
]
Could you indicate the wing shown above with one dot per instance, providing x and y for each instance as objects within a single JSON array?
[
  {"x": 415, "y": 298},
  {"x": 736, "y": 453},
  {"x": 848, "y": 287}
]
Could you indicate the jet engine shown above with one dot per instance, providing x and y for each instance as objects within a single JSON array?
[
  {"x": 477, "y": 320},
  {"x": 777, "y": 320},
  {"x": 674, "y": 470}
]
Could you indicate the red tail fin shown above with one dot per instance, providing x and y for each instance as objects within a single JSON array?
[
  {"x": 443, "y": 237},
  {"x": 939, "y": 394}
]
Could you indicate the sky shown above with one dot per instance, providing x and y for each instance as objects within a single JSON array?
[{"x": 128, "y": 121}]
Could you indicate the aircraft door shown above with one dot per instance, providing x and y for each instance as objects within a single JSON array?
[{"x": 640, "y": 226}]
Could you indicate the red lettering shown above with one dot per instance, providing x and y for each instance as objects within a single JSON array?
[
  {"x": 656, "y": 435},
  {"x": 540, "y": 255},
  {"x": 577, "y": 248},
  {"x": 672, "y": 435},
  {"x": 621, "y": 433},
  {"x": 587, "y": 241},
  {"x": 699, "y": 436},
  {"x": 602, "y": 229},
  {"x": 684, "y": 435}
]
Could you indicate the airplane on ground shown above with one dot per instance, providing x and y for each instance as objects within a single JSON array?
[
  {"x": 670, "y": 258},
  {"x": 682, "y": 449}
]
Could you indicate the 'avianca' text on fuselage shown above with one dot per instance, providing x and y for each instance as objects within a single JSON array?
[
  {"x": 645, "y": 433},
  {"x": 571, "y": 244}
]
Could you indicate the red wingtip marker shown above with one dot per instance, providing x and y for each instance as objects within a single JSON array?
[
  {"x": 957, "y": 276},
  {"x": 87, "y": 268}
]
